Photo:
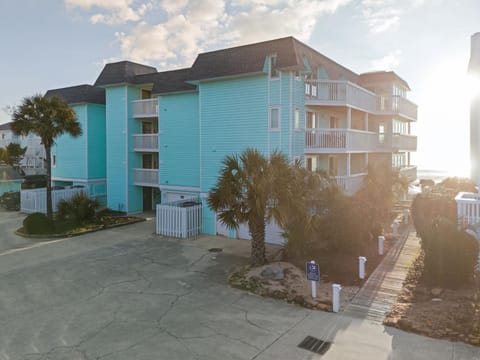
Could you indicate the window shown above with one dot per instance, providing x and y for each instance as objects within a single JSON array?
[
  {"x": 381, "y": 133},
  {"x": 274, "y": 118},
  {"x": 297, "y": 118},
  {"x": 273, "y": 72},
  {"x": 54, "y": 160}
]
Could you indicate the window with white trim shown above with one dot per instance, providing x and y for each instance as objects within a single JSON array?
[
  {"x": 274, "y": 123},
  {"x": 297, "y": 118},
  {"x": 273, "y": 72}
]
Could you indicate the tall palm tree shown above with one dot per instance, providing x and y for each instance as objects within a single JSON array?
[
  {"x": 247, "y": 191},
  {"x": 47, "y": 117}
]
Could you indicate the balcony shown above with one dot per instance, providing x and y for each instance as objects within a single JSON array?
[
  {"x": 396, "y": 105},
  {"x": 404, "y": 142},
  {"x": 409, "y": 172},
  {"x": 339, "y": 93},
  {"x": 146, "y": 177},
  {"x": 345, "y": 93},
  {"x": 145, "y": 108},
  {"x": 145, "y": 142},
  {"x": 319, "y": 141},
  {"x": 350, "y": 184}
]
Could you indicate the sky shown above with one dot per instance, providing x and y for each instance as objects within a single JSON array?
[{"x": 50, "y": 44}]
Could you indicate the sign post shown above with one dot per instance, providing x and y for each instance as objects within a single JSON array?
[{"x": 313, "y": 274}]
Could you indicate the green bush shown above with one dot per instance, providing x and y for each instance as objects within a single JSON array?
[
  {"x": 450, "y": 255},
  {"x": 10, "y": 200},
  {"x": 80, "y": 209},
  {"x": 37, "y": 223}
]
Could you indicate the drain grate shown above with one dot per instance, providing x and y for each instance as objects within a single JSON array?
[{"x": 315, "y": 345}]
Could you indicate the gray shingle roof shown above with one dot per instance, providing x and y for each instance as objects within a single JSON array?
[
  {"x": 381, "y": 77},
  {"x": 79, "y": 94},
  {"x": 6, "y": 126},
  {"x": 123, "y": 72},
  {"x": 167, "y": 81},
  {"x": 290, "y": 54}
]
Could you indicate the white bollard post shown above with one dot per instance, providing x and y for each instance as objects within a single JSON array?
[
  {"x": 406, "y": 215},
  {"x": 395, "y": 229},
  {"x": 314, "y": 284},
  {"x": 336, "y": 297},
  {"x": 381, "y": 239},
  {"x": 361, "y": 266}
]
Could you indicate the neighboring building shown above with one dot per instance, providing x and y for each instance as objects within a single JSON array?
[
  {"x": 166, "y": 133},
  {"x": 474, "y": 71},
  {"x": 33, "y": 161},
  {"x": 82, "y": 161},
  {"x": 10, "y": 179}
]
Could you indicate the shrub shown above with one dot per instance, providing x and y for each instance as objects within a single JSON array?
[
  {"x": 80, "y": 209},
  {"x": 37, "y": 223},
  {"x": 10, "y": 200},
  {"x": 450, "y": 255}
]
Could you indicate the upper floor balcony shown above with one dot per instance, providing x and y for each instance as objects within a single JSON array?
[
  {"x": 145, "y": 108},
  {"x": 146, "y": 177},
  {"x": 145, "y": 142},
  {"x": 346, "y": 93},
  {"x": 404, "y": 142},
  {"x": 321, "y": 140},
  {"x": 339, "y": 93}
]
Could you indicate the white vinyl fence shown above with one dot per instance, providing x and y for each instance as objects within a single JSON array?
[
  {"x": 35, "y": 200},
  {"x": 180, "y": 218}
]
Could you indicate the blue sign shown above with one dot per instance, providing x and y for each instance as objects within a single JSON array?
[{"x": 313, "y": 272}]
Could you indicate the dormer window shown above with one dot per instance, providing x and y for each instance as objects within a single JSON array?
[{"x": 273, "y": 72}]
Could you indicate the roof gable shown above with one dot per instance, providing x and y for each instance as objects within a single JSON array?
[{"x": 123, "y": 72}]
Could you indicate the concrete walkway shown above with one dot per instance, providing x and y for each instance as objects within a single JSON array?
[{"x": 379, "y": 292}]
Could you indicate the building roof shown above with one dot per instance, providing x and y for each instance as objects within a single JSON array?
[
  {"x": 382, "y": 77},
  {"x": 249, "y": 59},
  {"x": 123, "y": 72},
  {"x": 79, "y": 94},
  {"x": 6, "y": 126},
  {"x": 167, "y": 81},
  {"x": 9, "y": 173}
]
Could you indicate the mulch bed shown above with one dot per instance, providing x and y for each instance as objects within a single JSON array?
[{"x": 435, "y": 312}]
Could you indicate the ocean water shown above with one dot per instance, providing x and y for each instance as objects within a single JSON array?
[{"x": 435, "y": 175}]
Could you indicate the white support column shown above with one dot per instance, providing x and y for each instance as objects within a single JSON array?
[
  {"x": 349, "y": 159},
  {"x": 349, "y": 118},
  {"x": 366, "y": 121}
]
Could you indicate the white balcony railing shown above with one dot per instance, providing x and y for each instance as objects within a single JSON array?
[
  {"x": 350, "y": 184},
  {"x": 404, "y": 142},
  {"x": 146, "y": 177},
  {"x": 396, "y": 105},
  {"x": 146, "y": 142},
  {"x": 340, "y": 140},
  {"x": 339, "y": 93},
  {"x": 468, "y": 208},
  {"x": 345, "y": 93},
  {"x": 145, "y": 108},
  {"x": 410, "y": 172}
]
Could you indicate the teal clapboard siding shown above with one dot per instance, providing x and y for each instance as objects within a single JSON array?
[
  {"x": 233, "y": 117},
  {"x": 116, "y": 128},
  {"x": 71, "y": 153},
  {"x": 179, "y": 140},
  {"x": 96, "y": 141}
]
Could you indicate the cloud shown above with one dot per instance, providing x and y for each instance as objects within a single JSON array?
[
  {"x": 183, "y": 28},
  {"x": 383, "y": 15},
  {"x": 388, "y": 62},
  {"x": 112, "y": 12}
]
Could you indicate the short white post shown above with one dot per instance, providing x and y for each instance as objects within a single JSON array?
[
  {"x": 336, "y": 297},
  {"x": 381, "y": 239},
  {"x": 406, "y": 214},
  {"x": 395, "y": 229},
  {"x": 361, "y": 266},
  {"x": 314, "y": 284}
]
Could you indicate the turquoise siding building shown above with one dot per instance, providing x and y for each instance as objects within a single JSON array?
[{"x": 158, "y": 137}]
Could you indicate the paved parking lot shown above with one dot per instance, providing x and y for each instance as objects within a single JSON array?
[{"x": 125, "y": 293}]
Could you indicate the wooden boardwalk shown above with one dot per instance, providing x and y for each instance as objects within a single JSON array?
[{"x": 378, "y": 294}]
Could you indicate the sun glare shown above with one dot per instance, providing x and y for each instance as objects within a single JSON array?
[{"x": 444, "y": 118}]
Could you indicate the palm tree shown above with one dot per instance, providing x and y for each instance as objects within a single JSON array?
[
  {"x": 248, "y": 190},
  {"x": 47, "y": 117}
]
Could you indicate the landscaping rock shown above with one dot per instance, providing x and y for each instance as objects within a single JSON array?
[{"x": 273, "y": 272}]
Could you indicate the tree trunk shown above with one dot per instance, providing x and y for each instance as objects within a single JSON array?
[
  {"x": 257, "y": 232},
  {"x": 49, "y": 182}
]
